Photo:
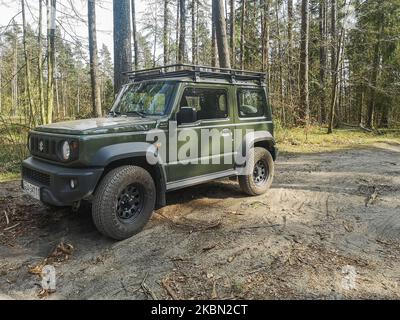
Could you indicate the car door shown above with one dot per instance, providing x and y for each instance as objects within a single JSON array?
[{"x": 210, "y": 135}]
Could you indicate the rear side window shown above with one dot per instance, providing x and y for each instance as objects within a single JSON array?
[
  {"x": 209, "y": 103},
  {"x": 251, "y": 103}
]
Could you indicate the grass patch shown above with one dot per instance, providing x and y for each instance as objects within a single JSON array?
[
  {"x": 9, "y": 176},
  {"x": 315, "y": 139},
  {"x": 12, "y": 152},
  {"x": 10, "y": 162}
]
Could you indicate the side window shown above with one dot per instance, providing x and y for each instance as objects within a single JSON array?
[
  {"x": 209, "y": 103},
  {"x": 251, "y": 103}
]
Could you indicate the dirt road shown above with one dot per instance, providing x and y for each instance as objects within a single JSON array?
[{"x": 329, "y": 228}]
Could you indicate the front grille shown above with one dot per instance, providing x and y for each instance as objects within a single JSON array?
[
  {"x": 36, "y": 176},
  {"x": 43, "y": 146}
]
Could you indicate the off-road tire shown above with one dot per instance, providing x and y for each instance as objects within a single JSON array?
[
  {"x": 104, "y": 206},
  {"x": 247, "y": 182}
]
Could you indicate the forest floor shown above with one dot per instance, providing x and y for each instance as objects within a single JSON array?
[{"x": 328, "y": 228}]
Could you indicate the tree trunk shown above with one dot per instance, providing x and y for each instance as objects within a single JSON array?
[
  {"x": 14, "y": 94},
  {"x": 242, "y": 37},
  {"x": 96, "y": 98},
  {"x": 51, "y": 29},
  {"x": 322, "y": 59},
  {"x": 335, "y": 84},
  {"x": 182, "y": 32},
  {"x": 165, "y": 33},
  {"x": 304, "y": 112},
  {"x": 280, "y": 54},
  {"x": 155, "y": 44},
  {"x": 32, "y": 114},
  {"x": 57, "y": 113},
  {"x": 290, "y": 48},
  {"x": 122, "y": 43},
  {"x": 177, "y": 30},
  {"x": 333, "y": 37},
  {"x": 222, "y": 39},
  {"x": 374, "y": 79},
  {"x": 134, "y": 34},
  {"x": 40, "y": 67},
  {"x": 214, "y": 48},
  {"x": 232, "y": 31},
  {"x": 290, "y": 33},
  {"x": 265, "y": 40},
  {"x": 361, "y": 106},
  {"x": 194, "y": 44},
  {"x": 78, "y": 107}
]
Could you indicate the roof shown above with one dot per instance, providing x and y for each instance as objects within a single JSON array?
[{"x": 198, "y": 73}]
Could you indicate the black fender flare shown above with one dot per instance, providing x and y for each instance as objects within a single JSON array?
[
  {"x": 249, "y": 140},
  {"x": 108, "y": 154}
]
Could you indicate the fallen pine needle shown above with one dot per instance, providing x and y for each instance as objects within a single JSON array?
[{"x": 12, "y": 227}]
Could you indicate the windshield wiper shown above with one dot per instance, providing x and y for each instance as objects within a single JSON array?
[{"x": 139, "y": 113}]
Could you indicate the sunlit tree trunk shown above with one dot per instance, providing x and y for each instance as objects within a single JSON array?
[
  {"x": 232, "y": 33},
  {"x": 242, "y": 36},
  {"x": 134, "y": 34},
  {"x": 265, "y": 34},
  {"x": 122, "y": 42},
  {"x": 182, "y": 32},
  {"x": 333, "y": 36},
  {"x": 51, "y": 30},
  {"x": 220, "y": 29},
  {"x": 322, "y": 59},
  {"x": 214, "y": 48},
  {"x": 290, "y": 69},
  {"x": 177, "y": 27},
  {"x": 96, "y": 98},
  {"x": 14, "y": 98},
  {"x": 165, "y": 33},
  {"x": 280, "y": 53},
  {"x": 304, "y": 112},
  {"x": 335, "y": 84},
  {"x": 32, "y": 114},
  {"x": 374, "y": 79},
  {"x": 194, "y": 31},
  {"x": 40, "y": 67}
]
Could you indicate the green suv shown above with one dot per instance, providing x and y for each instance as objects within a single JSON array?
[{"x": 169, "y": 128}]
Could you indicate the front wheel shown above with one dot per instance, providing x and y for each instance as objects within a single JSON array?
[
  {"x": 123, "y": 202},
  {"x": 261, "y": 174}
]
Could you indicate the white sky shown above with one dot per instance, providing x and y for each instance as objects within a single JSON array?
[{"x": 75, "y": 28}]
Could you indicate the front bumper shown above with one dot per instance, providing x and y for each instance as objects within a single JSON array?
[{"x": 54, "y": 181}]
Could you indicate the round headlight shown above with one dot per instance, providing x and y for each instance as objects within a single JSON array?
[{"x": 66, "y": 150}]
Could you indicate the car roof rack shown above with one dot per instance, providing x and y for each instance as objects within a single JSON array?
[{"x": 197, "y": 73}]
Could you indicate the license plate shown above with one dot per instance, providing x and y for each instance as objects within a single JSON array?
[{"x": 32, "y": 190}]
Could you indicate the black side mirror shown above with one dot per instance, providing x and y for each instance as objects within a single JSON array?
[{"x": 186, "y": 115}]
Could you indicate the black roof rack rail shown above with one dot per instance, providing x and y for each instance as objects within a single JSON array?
[{"x": 197, "y": 72}]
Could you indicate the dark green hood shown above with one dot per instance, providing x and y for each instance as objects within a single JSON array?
[{"x": 99, "y": 126}]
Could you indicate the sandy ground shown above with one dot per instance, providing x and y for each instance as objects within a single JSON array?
[{"x": 328, "y": 229}]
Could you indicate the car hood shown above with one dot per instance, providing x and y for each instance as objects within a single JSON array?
[{"x": 99, "y": 126}]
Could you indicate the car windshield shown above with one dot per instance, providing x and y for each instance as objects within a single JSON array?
[{"x": 142, "y": 99}]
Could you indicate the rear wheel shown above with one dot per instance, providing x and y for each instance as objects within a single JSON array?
[
  {"x": 261, "y": 172},
  {"x": 124, "y": 202}
]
